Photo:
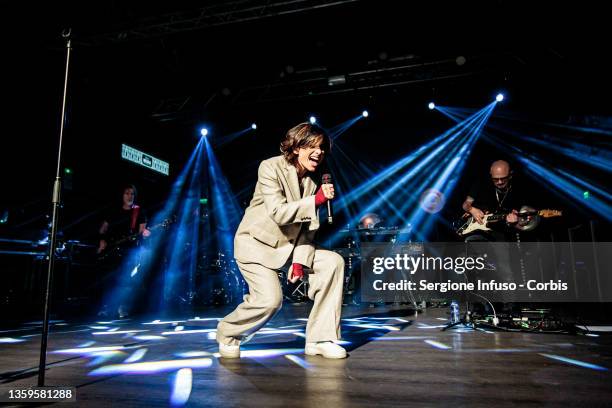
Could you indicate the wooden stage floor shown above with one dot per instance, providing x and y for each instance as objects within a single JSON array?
[{"x": 396, "y": 359}]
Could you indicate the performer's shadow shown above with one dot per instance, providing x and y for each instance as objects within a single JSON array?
[
  {"x": 372, "y": 326},
  {"x": 356, "y": 331}
]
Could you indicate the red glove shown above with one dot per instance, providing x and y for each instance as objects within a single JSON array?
[
  {"x": 320, "y": 198},
  {"x": 298, "y": 270}
]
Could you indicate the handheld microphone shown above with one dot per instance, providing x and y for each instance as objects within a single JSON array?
[{"x": 327, "y": 179}]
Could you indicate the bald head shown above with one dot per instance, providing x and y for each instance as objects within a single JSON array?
[
  {"x": 500, "y": 167},
  {"x": 500, "y": 173}
]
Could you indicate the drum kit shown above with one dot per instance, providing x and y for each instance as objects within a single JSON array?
[
  {"x": 225, "y": 282},
  {"x": 368, "y": 230}
]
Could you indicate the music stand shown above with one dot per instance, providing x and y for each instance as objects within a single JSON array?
[
  {"x": 464, "y": 320},
  {"x": 293, "y": 291},
  {"x": 301, "y": 289}
]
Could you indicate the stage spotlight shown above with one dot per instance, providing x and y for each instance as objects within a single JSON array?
[
  {"x": 313, "y": 120},
  {"x": 365, "y": 114},
  {"x": 203, "y": 131},
  {"x": 431, "y": 106},
  {"x": 499, "y": 97},
  {"x": 254, "y": 126},
  {"x": 432, "y": 200}
]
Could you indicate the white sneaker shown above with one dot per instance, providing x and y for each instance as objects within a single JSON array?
[
  {"x": 327, "y": 349},
  {"x": 229, "y": 351}
]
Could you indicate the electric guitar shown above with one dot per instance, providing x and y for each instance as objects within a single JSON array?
[
  {"x": 528, "y": 219},
  {"x": 117, "y": 247}
]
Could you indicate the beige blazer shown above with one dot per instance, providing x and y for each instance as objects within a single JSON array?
[{"x": 269, "y": 229}]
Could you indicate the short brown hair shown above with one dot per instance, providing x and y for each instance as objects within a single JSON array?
[
  {"x": 303, "y": 135},
  {"x": 130, "y": 186}
]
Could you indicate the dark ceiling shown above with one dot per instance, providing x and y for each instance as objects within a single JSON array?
[{"x": 148, "y": 74}]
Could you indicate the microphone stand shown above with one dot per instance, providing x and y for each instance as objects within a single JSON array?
[{"x": 57, "y": 186}]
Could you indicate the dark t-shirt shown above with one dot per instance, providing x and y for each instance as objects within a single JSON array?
[
  {"x": 119, "y": 222},
  {"x": 488, "y": 199}
]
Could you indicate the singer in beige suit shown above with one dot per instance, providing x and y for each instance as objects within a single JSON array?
[{"x": 277, "y": 231}]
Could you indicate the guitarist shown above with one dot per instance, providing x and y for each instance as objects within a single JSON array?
[
  {"x": 499, "y": 195},
  {"x": 124, "y": 221},
  {"x": 119, "y": 223}
]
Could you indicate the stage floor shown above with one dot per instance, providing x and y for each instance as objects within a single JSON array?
[{"x": 396, "y": 359}]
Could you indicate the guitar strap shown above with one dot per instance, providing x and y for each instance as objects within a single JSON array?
[{"x": 135, "y": 212}]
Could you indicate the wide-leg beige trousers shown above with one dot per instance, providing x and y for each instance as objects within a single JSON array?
[{"x": 265, "y": 299}]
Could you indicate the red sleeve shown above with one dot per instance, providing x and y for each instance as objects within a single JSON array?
[
  {"x": 298, "y": 270},
  {"x": 320, "y": 197}
]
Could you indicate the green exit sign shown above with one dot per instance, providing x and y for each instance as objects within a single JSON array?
[{"x": 145, "y": 160}]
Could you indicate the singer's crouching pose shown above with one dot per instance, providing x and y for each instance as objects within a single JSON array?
[{"x": 277, "y": 230}]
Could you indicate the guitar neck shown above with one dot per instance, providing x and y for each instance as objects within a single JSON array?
[
  {"x": 127, "y": 238},
  {"x": 543, "y": 213},
  {"x": 137, "y": 235}
]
